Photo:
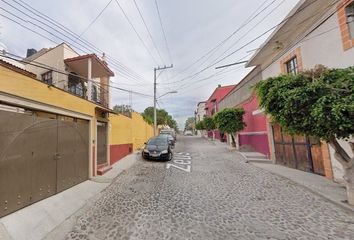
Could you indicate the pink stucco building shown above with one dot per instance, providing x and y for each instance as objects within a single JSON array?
[{"x": 212, "y": 106}]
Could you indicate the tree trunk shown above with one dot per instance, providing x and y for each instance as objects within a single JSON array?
[
  {"x": 213, "y": 135},
  {"x": 348, "y": 167},
  {"x": 233, "y": 140}
]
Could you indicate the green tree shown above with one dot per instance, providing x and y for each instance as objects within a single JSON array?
[
  {"x": 190, "y": 124},
  {"x": 209, "y": 125},
  {"x": 162, "y": 117},
  {"x": 123, "y": 109},
  {"x": 319, "y": 103},
  {"x": 230, "y": 120},
  {"x": 200, "y": 125}
]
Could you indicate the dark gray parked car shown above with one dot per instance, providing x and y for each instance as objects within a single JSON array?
[{"x": 157, "y": 148}]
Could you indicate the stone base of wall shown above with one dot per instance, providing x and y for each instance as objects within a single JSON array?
[{"x": 119, "y": 151}]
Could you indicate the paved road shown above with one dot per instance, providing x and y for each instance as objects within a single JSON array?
[{"x": 220, "y": 198}]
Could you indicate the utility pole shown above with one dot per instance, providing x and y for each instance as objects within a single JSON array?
[{"x": 155, "y": 98}]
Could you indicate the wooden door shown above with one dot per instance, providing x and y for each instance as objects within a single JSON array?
[{"x": 299, "y": 152}]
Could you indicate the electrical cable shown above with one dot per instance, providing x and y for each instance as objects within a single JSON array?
[
  {"x": 93, "y": 21},
  {"x": 163, "y": 32},
  {"x": 136, "y": 32},
  {"x": 57, "y": 24},
  {"x": 43, "y": 66},
  {"x": 149, "y": 32},
  {"x": 245, "y": 23}
]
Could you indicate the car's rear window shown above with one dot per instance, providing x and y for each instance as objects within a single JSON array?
[{"x": 158, "y": 141}]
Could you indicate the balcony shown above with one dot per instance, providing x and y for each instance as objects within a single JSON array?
[{"x": 93, "y": 84}]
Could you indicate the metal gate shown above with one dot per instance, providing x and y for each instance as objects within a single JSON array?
[
  {"x": 35, "y": 157},
  {"x": 299, "y": 152},
  {"x": 101, "y": 143}
]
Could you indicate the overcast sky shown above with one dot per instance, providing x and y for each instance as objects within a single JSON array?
[{"x": 192, "y": 27}]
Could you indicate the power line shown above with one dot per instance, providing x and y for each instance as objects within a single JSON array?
[
  {"x": 264, "y": 33},
  {"x": 163, "y": 32},
  {"x": 136, "y": 32},
  {"x": 303, "y": 39},
  {"x": 40, "y": 27},
  {"x": 252, "y": 28},
  {"x": 147, "y": 29},
  {"x": 94, "y": 20},
  {"x": 248, "y": 43},
  {"x": 123, "y": 69},
  {"x": 43, "y": 66},
  {"x": 245, "y": 23}
]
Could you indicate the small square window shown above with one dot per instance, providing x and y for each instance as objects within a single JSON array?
[
  {"x": 349, "y": 12},
  {"x": 291, "y": 66},
  {"x": 47, "y": 77}
]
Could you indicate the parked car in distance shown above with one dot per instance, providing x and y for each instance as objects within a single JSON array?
[
  {"x": 169, "y": 131},
  {"x": 188, "y": 133},
  {"x": 170, "y": 138},
  {"x": 157, "y": 148}
]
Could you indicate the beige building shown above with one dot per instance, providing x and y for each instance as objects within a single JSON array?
[
  {"x": 200, "y": 111},
  {"x": 86, "y": 76}
]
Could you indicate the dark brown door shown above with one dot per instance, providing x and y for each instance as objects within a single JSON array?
[
  {"x": 101, "y": 143},
  {"x": 27, "y": 167},
  {"x": 72, "y": 163},
  {"x": 40, "y": 154},
  {"x": 299, "y": 152}
]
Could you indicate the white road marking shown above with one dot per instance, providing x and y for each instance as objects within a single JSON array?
[{"x": 183, "y": 159}]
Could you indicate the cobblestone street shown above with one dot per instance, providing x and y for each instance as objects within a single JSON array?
[{"x": 221, "y": 197}]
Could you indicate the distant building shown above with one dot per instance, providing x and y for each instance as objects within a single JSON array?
[
  {"x": 212, "y": 107},
  {"x": 200, "y": 111}
]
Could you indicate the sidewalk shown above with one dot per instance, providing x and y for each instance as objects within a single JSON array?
[
  {"x": 318, "y": 184},
  {"x": 53, "y": 216}
]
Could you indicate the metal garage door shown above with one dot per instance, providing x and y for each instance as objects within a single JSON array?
[{"x": 40, "y": 154}]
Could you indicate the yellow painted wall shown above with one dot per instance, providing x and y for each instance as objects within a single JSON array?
[
  {"x": 123, "y": 130},
  {"x": 17, "y": 84},
  {"x": 142, "y": 131},
  {"x": 129, "y": 130}
]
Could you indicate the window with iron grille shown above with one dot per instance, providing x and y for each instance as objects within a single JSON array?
[
  {"x": 47, "y": 77},
  {"x": 291, "y": 66},
  {"x": 349, "y": 11},
  {"x": 75, "y": 85}
]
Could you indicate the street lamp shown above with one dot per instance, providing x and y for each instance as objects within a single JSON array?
[
  {"x": 155, "y": 101},
  {"x": 166, "y": 94}
]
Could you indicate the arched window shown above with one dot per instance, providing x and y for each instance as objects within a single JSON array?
[{"x": 75, "y": 84}]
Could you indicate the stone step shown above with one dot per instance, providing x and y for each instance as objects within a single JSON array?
[
  {"x": 256, "y": 156},
  {"x": 102, "y": 170},
  {"x": 258, "y": 160}
]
